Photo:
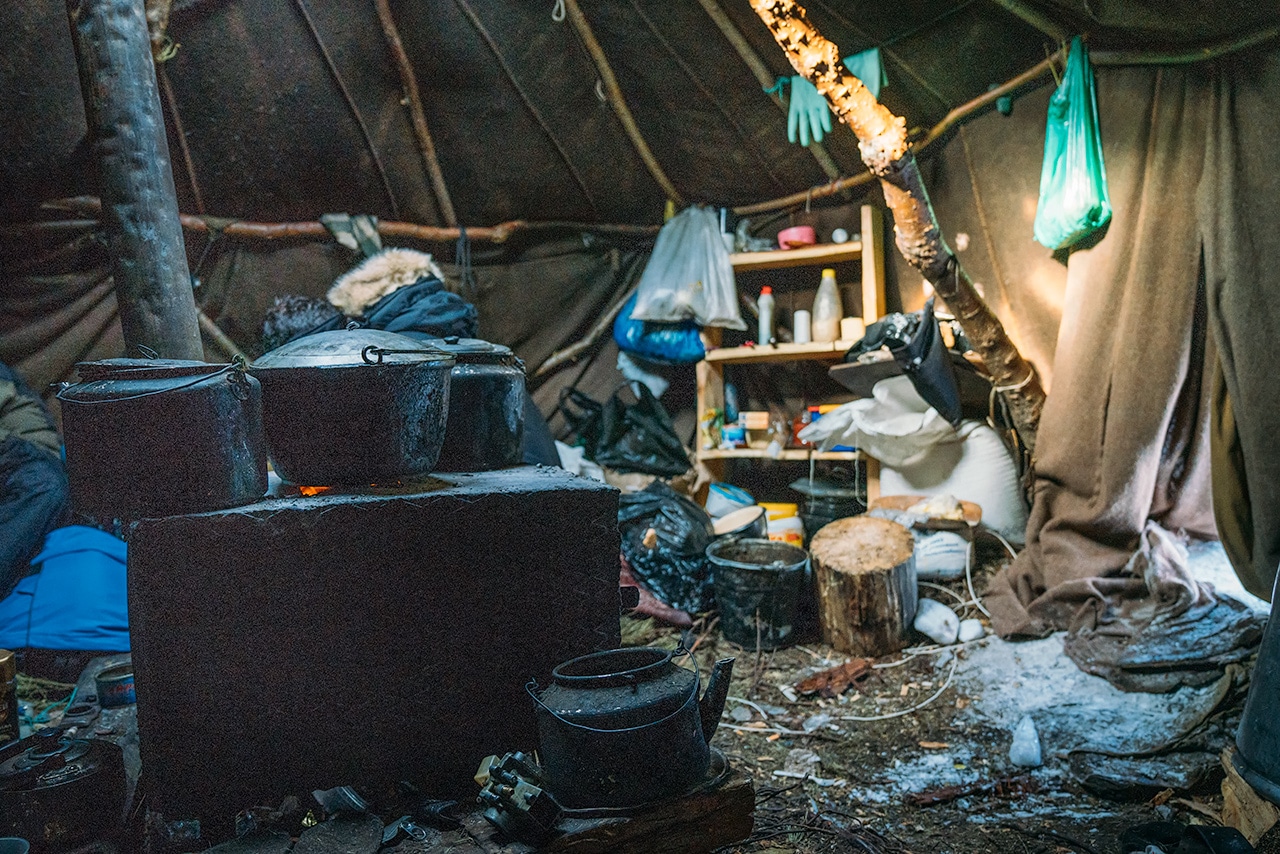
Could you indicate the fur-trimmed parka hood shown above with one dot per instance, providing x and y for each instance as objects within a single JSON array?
[{"x": 379, "y": 275}]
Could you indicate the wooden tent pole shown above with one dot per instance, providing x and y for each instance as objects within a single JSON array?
[
  {"x": 91, "y": 206},
  {"x": 763, "y": 75},
  {"x": 619, "y": 104},
  {"x": 561, "y": 358},
  {"x": 140, "y": 209},
  {"x": 1034, "y": 18},
  {"x": 882, "y": 140},
  {"x": 418, "y": 116}
]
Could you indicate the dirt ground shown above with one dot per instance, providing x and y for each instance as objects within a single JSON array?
[{"x": 848, "y": 801}]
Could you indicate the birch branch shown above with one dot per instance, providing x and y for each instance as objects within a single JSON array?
[{"x": 882, "y": 141}]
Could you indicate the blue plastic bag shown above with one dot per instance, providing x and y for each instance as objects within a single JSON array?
[
  {"x": 669, "y": 343},
  {"x": 1073, "y": 181}
]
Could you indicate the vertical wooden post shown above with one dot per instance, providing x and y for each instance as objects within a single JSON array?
[
  {"x": 710, "y": 377},
  {"x": 873, "y": 305},
  {"x": 139, "y": 204}
]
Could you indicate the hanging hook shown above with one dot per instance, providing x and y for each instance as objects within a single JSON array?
[{"x": 1053, "y": 64}]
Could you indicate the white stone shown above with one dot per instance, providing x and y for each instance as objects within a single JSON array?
[
  {"x": 1025, "y": 750},
  {"x": 971, "y": 629},
  {"x": 937, "y": 621}
]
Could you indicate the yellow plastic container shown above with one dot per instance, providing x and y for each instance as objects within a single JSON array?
[
  {"x": 789, "y": 529},
  {"x": 778, "y": 510}
]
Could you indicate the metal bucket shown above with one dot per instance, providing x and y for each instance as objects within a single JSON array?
[{"x": 758, "y": 586}]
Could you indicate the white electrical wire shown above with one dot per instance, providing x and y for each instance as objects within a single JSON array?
[
  {"x": 558, "y": 11},
  {"x": 968, "y": 578},
  {"x": 747, "y": 702},
  {"x": 1010, "y": 549},
  {"x": 947, "y": 590},
  {"x": 955, "y": 661}
]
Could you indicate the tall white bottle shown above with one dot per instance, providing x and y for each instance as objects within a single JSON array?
[
  {"x": 764, "y": 333},
  {"x": 827, "y": 309}
]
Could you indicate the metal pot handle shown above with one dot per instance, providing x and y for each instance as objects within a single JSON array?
[
  {"x": 532, "y": 684},
  {"x": 372, "y": 355}
]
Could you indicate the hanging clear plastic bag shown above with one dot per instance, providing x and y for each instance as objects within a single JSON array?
[
  {"x": 689, "y": 275},
  {"x": 1073, "y": 181}
]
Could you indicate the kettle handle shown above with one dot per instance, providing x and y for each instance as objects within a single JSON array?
[{"x": 532, "y": 685}]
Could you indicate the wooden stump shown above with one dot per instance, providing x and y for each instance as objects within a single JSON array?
[
  {"x": 866, "y": 574},
  {"x": 1242, "y": 807}
]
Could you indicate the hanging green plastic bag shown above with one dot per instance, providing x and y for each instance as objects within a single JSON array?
[{"x": 1073, "y": 181}]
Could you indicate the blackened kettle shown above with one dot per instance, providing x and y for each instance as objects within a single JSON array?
[{"x": 625, "y": 727}]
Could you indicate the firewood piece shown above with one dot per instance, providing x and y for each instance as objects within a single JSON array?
[
  {"x": 1242, "y": 807},
  {"x": 836, "y": 680},
  {"x": 866, "y": 574},
  {"x": 704, "y": 821}
]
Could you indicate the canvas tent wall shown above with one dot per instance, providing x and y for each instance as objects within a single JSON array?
[{"x": 259, "y": 129}]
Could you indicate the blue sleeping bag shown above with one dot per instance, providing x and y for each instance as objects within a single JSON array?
[{"x": 77, "y": 599}]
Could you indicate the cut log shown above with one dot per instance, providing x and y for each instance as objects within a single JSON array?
[
  {"x": 866, "y": 573},
  {"x": 1242, "y": 807}
]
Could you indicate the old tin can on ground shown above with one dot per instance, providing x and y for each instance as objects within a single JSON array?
[{"x": 115, "y": 686}]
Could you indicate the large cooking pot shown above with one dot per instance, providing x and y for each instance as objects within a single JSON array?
[
  {"x": 58, "y": 791},
  {"x": 486, "y": 406},
  {"x": 625, "y": 727},
  {"x": 158, "y": 437},
  {"x": 354, "y": 406}
]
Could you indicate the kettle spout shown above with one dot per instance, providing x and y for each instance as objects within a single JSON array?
[{"x": 711, "y": 706}]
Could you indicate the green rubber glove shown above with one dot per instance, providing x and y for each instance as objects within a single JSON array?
[
  {"x": 809, "y": 115},
  {"x": 868, "y": 67}
]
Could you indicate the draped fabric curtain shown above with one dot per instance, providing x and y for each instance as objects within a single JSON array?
[
  {"x": 1240, "y": 223},
  {"x": 1125, "y": 434}
]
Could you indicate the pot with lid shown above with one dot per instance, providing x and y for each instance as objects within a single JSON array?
[
  {"x": 58, "y": 791},
  {"x": 159, "y": 437},
  {"x": 625, "y": 727},
  {"x": 354, "y": 406},
  {"x": 486, "y": 406}
]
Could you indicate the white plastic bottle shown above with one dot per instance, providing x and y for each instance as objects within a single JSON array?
[
  {"x": 827, "y": 309},
  {"x": 765, "y": 303}
]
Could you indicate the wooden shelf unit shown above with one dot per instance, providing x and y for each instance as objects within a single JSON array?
[
  {"x": 776, "y": 259},
  {"x": 870, "y": 252},
  {"x": 831, "y": 351}
]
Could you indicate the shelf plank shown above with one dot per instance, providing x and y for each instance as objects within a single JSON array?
[
  {"x": 821, "y": 253},
  {"x": 827, "y": 350},
  {"x": 787, "y": 454}
]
